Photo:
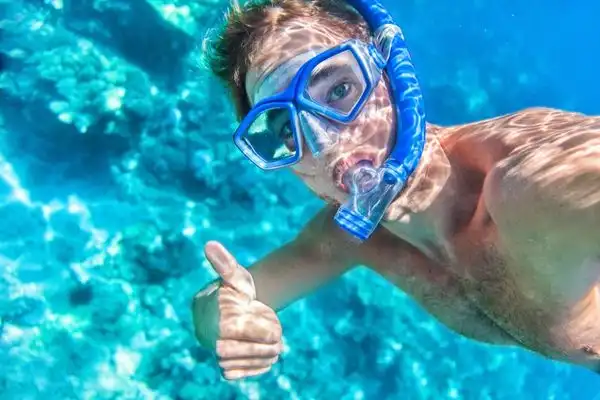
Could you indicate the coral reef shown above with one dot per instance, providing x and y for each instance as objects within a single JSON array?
[{"x": 116, "y": 165}]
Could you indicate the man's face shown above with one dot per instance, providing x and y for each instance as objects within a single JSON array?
[{"x": 369, "y": 137}]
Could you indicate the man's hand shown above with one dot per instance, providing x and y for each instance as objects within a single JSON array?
[{"x": 245, "y": 333}]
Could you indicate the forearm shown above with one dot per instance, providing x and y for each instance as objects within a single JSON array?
[{"x": 319, "y": 255}]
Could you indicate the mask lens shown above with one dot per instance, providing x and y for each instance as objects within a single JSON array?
[
  {"x": 337, "y": 83},
  {"x": 272, "y": 135}
]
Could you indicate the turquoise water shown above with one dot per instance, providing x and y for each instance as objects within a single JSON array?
[{"x": 104, "y": 117}]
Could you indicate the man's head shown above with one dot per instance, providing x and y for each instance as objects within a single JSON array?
[{"x": 260, "y": 37}]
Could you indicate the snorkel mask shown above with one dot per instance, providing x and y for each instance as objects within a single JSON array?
[{"x": 273, "y": 132}]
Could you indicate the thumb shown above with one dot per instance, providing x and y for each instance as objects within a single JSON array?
[{"x": 227, "y": 267}]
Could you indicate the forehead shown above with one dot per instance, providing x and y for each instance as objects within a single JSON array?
[{"x": 298, "y": 37}]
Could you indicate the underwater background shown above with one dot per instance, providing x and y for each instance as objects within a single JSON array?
[{"x": 117, "y": 165}]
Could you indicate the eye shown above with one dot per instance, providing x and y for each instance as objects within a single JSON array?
[
  {"x": 338, "y": 92},
  {"x": 287, "y": 135},
  {"x": 286, "y": 131}
]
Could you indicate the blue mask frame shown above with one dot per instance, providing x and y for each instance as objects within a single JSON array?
[{"x": 294, "y": 99}]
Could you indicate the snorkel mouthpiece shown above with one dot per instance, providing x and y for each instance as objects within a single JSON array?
[{"x": 372, "y": 190}]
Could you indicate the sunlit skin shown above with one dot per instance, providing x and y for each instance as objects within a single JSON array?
[{"x": 496, "y": 234}]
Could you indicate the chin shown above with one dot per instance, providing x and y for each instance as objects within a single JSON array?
[
  {"x": 335, "y": 196},
  {"x": 327, "y": 190}
]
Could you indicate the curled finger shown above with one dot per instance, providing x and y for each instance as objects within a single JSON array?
[
  {"x": 234, "y": 349},
  {"x": 250, "y": 327},
  {"x": 247, "y": 363},
  {"x": 244, "y": 373}
]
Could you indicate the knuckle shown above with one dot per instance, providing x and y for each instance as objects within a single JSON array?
[
  {"x": 236, "y": 322},
  {"x": 231, "y": 297},
  {"x": 226, "y": 296},
  {"x": 227, "y": 354},
  {"x": 273, "y": 351},
  {"x": 278, "y": 331},
  {"x": 263, "y": 309},
  {"x": 223, "y": 349},
  {"x": 230, "y": 325},
  {"x": 228, "y": 311},
  {"x": 278, "y": 350},
  {"x": 274, "y": 332},
  {"x": 274, "y": 336}
]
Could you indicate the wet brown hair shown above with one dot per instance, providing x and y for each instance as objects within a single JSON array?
[{"x": 229, "y": 53}]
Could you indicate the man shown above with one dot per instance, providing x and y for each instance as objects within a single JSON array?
[{"x": 495, "y": 233}]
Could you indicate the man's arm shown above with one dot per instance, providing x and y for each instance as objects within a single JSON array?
[
  {"x": 235, "y": 315},
  {"x": 545, "y": 200},
  {"x": 318, "y": 255}
]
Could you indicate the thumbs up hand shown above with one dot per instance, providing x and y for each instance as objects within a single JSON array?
[{"x": 245, "y": 333}]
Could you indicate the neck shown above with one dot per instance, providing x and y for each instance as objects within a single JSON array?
[{"x": 425, "y": 214}]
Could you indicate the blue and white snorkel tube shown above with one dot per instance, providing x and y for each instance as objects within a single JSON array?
[{"x": 373, "y": 190}]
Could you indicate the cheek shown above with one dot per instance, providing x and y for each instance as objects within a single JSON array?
[
  {"x": 315, "y": 177},
  {"x": 373, "y": 131},
  {"x": 379, "y": 115},
  {"x": 308, "y": 165}
]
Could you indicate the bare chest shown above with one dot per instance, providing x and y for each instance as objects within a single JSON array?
[
  {"x": 475, "y": 289},
  {"x": 492, "y": 280},
  {"x": 441, "y": 291}
]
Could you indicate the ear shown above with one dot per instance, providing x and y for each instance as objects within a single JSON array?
[{"x": 239, "y": 97}]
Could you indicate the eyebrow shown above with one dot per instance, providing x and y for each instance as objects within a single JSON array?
[{"x": 325, "y": 73}]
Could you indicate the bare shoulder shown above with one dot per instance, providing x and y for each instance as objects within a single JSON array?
[
  {"x": 528, "y": 127},
  {"x": 557, "y": 126},
  {"x": 544, "y": 198},
  {"x": 532, "y": 119},
  {"x": 556, "y": 152}
]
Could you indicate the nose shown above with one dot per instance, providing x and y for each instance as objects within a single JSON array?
[{"x": 320, "y": 134}]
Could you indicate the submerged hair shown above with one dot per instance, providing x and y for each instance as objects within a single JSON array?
[{"x": 230, "y": 50}]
